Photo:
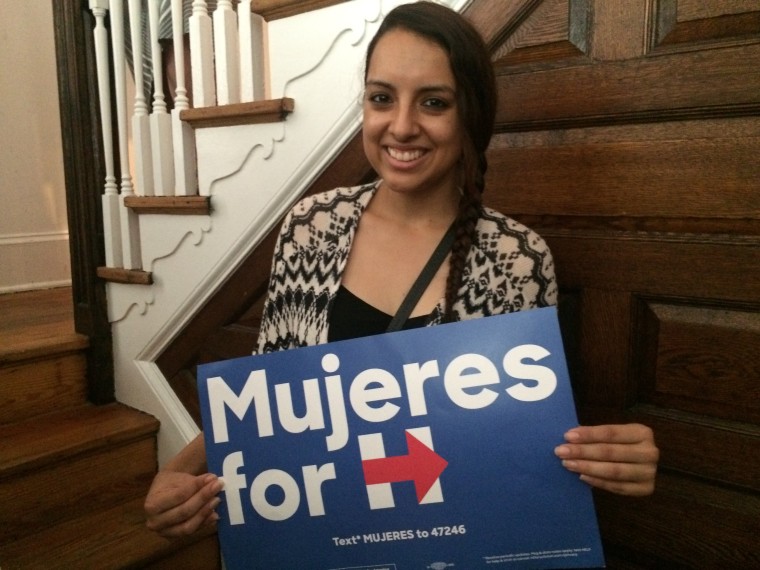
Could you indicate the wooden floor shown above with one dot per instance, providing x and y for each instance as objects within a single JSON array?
[{"x": 32, "y": 320}]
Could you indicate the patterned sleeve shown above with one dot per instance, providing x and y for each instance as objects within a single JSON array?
[{"x": 272, "y": 320}]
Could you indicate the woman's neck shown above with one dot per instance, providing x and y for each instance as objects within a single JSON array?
[{"x": 418, "y": 209}]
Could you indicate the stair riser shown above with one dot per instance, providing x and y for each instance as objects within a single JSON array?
[
  {"x": 40, "y": 386},
  {"x": 203, "y": 555},
  {"x": 111, "y": 540},
  {"x": 72, "y": 488}
]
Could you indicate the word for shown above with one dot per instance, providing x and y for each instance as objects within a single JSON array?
[
  {"x": 371, "y": 393},
  {"x": 313, "y": 478}
]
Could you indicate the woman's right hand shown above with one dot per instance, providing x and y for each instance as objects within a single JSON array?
[{"x": 179, "y": 503}]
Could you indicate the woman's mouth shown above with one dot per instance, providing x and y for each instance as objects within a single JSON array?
[{"x": 404, "y": 155}]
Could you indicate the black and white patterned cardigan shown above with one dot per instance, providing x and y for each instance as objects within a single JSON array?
[{"x": 509, "y": 268}]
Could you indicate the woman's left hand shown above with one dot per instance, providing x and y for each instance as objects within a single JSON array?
[{"x": 621, "y": 459}]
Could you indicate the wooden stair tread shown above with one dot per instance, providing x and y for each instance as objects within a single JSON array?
[
  {"x": 43, "y": 440},
  {"x": 36, "y": 323},
  {"x": 116, "y": 538},
  {"x": 254, "y": 112},
  {"x": 26, "y": 349}
]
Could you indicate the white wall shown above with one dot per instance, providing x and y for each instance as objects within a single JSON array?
[{"x": 34, "y": 249}]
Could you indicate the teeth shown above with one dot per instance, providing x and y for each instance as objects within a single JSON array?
[{"x": 404, "y": 155}]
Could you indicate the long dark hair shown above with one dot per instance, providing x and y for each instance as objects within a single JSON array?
[{"x": 476, "y": 103}]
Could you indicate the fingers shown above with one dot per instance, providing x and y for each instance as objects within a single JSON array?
[
  {"x": 635, "y": 479},
  {"x": 171, "y": 488},
  {"x": 182, "y": 525},
  {"x": 624, "y": 433},
  {"x": 179, "y": 504},
  {"x": 618, "y": 458}
]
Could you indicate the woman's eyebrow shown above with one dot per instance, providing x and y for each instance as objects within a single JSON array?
[
  {"x": 379, "y": 83},
  {"x": 423, "y": 89}
]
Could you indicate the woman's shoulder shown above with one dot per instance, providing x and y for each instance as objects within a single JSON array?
[
  {"x": 343, "y": 201},
  {"x": 319, "y": 219},
  {"x": 498, "y": 231}
]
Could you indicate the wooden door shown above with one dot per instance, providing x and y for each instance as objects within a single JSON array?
[{"x": 629, "y": 136}]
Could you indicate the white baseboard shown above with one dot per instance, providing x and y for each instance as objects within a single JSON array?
[{"x": 34, "y": 261}]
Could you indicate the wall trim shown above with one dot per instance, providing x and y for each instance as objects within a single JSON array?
[
  {"x": 33, "y": 237},
  {"x": 34, "y": 260},
  {"x": 36, "y": 286}
]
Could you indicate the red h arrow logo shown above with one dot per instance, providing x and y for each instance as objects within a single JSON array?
[{"x": 422, "y": 465}]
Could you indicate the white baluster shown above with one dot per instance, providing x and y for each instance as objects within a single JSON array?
[
  {"x": 184, "y": 138},
  {"x": 202, "y": 56},
  {"x": 111, "y": 229},
  {"x": 160, "y": 121},
  {"x": 226, "y": 54},
  {"x": 253, "y": 54},
  {"x": 130, "y": 229},
  {"x": 140, "y": 118}
]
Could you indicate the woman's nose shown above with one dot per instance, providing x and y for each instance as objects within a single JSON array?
[{"x": 404, "y": 122}]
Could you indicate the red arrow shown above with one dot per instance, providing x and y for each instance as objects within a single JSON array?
[{"x": 422, "y": 465}]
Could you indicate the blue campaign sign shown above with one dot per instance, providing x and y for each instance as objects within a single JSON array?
[{"x": 431, "y": 448}]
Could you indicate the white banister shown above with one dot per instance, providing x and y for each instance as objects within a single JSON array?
[
  {"x": 130, "y": 229},
  {"x": 160, "y": 121},
  {"x": 111, "y": 223},
  {"x": 140, "y": 119},
  {"x": 163, "y": 146},
  {"x": 253, "y": 53},
  {"x": 185, "y": 179},
  {"x": 226, "y": 54},
  {"x": 202, "y": 56}
]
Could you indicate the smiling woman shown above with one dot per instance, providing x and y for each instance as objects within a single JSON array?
[{"x": 429, "y": 107}]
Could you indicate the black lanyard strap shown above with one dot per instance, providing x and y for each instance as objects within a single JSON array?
[{"x": 423, "y": 280}]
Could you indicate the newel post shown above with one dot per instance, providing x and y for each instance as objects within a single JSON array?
[{"x": 84, "y": 172}]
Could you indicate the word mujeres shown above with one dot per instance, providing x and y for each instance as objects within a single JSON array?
[{"x": 469, "y": 381}]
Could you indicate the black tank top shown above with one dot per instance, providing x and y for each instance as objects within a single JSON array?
[{"x": 352, "y": 317}]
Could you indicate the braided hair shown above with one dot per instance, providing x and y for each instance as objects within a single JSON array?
[{"x": 476, "y": 103}]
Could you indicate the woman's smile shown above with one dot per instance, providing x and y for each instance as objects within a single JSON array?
[{"x": 404, "y": 155}]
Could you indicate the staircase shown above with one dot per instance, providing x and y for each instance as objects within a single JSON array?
[{"x": 73, "y": 476}]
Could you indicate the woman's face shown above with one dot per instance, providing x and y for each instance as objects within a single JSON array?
[{"x": 412, "y": 135}]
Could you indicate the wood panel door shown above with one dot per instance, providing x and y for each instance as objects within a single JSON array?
[{"x": 629, "y": 136}]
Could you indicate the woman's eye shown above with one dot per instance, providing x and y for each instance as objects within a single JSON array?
[
  {"x": 378, "y": 98},
  {"x": 435, "y": 103}
]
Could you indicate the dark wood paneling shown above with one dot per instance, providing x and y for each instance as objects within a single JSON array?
[
  {"x": 687, "y": 524},
  {"x": 700, "y": 359},
  {"x": 667, "y": 176},
  {"x": 700, "y": 445},
  {"x": 669, "y": 87},
  {"x": 684, "y": 23},
  {"x": 659, "y": 267},
  {"x": 550, "y": 31},
  {"x": 637, "y": 162}
]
